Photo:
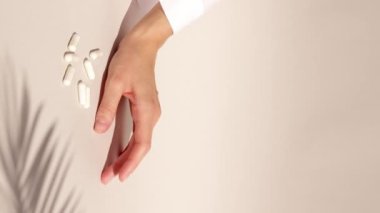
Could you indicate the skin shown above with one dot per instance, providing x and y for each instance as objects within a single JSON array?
[{"x": 131, "y": 74}]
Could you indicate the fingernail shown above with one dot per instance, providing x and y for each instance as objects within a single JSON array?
[
  {"x": 100, "y": 126},
  {"x": 107, "y": 176},
  {"x": 105, "y": 180}
]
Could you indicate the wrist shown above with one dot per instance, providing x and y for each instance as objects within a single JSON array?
[{"x": 150, "y": 33}]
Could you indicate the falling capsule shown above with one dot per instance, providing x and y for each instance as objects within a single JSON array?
[
  {"x": 89, "y": 69},
  {"x": 70, "y": 57},
  {"x": 95, "y": 53},
  {"x": 69, "y": 74},
  {"x": 74, "y": 41},
  {"x": 87, "y": 104},
  {"x": 82, "y": 93}
]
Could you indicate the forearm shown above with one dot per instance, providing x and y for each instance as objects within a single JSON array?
[
  {"x": 179, "y": 13},
  {"x": 151, "y": 31}
]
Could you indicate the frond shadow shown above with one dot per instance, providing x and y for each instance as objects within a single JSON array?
[{"x": 33, "y": 179}]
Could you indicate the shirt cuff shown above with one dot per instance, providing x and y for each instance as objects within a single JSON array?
[{"x": 180, "y": 13}]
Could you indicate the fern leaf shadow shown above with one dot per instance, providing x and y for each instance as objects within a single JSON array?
[{"x": 32, "y": 179}]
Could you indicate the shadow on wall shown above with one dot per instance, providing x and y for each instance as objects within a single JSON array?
[{"x": 33, "y": 170}]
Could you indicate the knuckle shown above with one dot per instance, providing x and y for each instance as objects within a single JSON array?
[
  {"x": 146, "y": 147},
  {"x": 115, "y": 80},
  {"x": 151, "y": 104},
  {"x": 154, "y": 109}
]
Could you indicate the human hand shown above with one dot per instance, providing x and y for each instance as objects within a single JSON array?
[{"x": 131, "y": 75}]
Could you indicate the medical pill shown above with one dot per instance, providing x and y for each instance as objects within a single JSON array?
[
  {"x": 69, "y": 74},
  {"x": 89, "y": 69},
  {"x": 87, "y": 105},
  {"x": 70, "y": 57},
  {"x": 82, "y": 93},
  {"x": 73, "y": 43},
  {"x": 95, "y": 53}
]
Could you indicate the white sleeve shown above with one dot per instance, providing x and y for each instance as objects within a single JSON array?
[{"x": 180, "y": 13}]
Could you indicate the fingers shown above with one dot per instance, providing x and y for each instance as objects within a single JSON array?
[
  {"x": 113, "y": 91},
  {"x": 128, "y": 162},
  {"x": 138, "y": 149},
  {"x": 131, "y": 157},
  {"x": 107, "y": 174},
  {"x": 116, "y": 149},
  {"x": 145, "y": 117},
  {"x": 110, "y": 170}
]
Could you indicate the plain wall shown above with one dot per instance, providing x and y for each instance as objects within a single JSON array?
[{"x": 268, "y": 106}]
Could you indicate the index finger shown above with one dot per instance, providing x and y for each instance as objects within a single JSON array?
[
  {"x": 105, "y": 114},
  {"x": 136, "y": 151}
]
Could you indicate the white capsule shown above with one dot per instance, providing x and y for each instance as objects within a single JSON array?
[
  {"x": 95, "y": 53},
  {"x": 73, "y": 43},
  {"x": 89, "y": 69},
  {"x": 82, "y": 93},
  {"x": 87, "y": 104},
  {"x": 70, "y": 57},
  {"x": 69, "y": 74}
]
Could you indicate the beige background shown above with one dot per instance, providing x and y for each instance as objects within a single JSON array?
[{"x": 268, "y": 106}]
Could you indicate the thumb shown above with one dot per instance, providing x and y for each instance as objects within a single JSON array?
[{"x": 113, "y": 91}]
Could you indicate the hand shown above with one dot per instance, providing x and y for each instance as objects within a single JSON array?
[{"x": 131, "y": 75}]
